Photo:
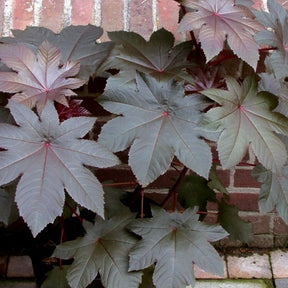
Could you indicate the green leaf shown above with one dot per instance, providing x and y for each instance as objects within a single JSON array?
[
  {"x": 147, "y": 278},
  {"x": 157, "y": 56},
  {"x": 268, "y": 82},
  {"x": 174, "y": 241},
  {"x": 229, "y": 219},
  {"x": 274, "y": 191},
  {"x": 194, "y": 191},
  {"x": 103, "y": 249},
  {"x": 8, "y": 209},
  {"x": 215, "y": 182},
  {"x": 246, "y": 118},
  {"x": 113, "y": 206},
  {"x": 56, "y": 278},
  {"x": 158, "y": 122}
]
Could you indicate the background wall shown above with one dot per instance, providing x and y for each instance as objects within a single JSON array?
[{"x": 144, "y": 16}]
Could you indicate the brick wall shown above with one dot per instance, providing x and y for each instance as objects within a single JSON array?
[{"x": 143, "y": 16}]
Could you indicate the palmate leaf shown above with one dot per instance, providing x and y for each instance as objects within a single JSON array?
[
  {"x": 158, "y": 122},
  {"x": 103, "y": 249},
  {"x": 76, "y": 43},
  {"x": 274, "y": 191},
  {"x": 270, "y": 83},
  {"x": 158, "y": 56},
  {"x": 230, "y": 220},
  {"x": 56, "y": 278},
  {"x": 276, "y": 35},
  {"x": 38, "y": 78},
  {"x": 8, "y": 208},
  {"x": 215, "y": 21},
  {"x": 245, "y": 117},
  {"x": 195, "y": 191},
  {"x": 174, "y": 241},
  {"x": 50, "y": 157}
]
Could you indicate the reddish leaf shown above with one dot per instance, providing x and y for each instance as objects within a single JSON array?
[
  {"x": 218, "y": 20},
  {"x": 38, "y": 78}
]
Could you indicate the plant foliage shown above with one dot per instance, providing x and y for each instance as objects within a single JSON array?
[{"x": 166, "y": 106}]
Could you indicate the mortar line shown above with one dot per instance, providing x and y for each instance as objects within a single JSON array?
[
  {"x": 97, "y": 12},
  {"x": 37, "y": 12},
  {"x": 67, "y": 13},
  {"x": 154, "y": 15},
  {"x": 126, "y": 15},
  {"x": 8, "y": 19},
  {"x": 265, "y": 5}
]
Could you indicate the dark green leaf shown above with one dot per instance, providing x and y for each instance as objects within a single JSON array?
[
  {"x": 113, "y": 206},
  {"x": 230, "y": 220},
  {"x": 215, "y": 182},
  {"x": 194, "y": 191},
  {"x": 8, "y": 208},
  {"x": 157, "y": 56},
  {"x": 56, "y": 278}
]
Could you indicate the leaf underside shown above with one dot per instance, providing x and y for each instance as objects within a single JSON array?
[
  {"x": 158, "y": 122},
  {"x": 275, "y": 35},
  {"x": 246, "y": 118},
  {"x": 76, "y": 43},
  {"x": 103, "y": 249},
  {"x": 216, "y": 21},
  {"x": 42, "y": 150},
  {"x": 39, "y": 78},
  {"x": 174, "y": 241}
]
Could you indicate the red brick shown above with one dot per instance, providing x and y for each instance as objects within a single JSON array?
[
  {"x": 141, "y": 17},
  {"x": 260, "y": 223},
  {"x": 224, "y": 176},
  {"x": 52, "y": 16},
  {"x": 280, "y": 241},
  {"x": 243, "y": 178},
  {"x": 280, "y": 227},
  {"x": 262, "y": 241},
  {"x": 243, "y": 201},
  {"x": 22, "y": 14},
  {"x": 20, "y": 266},
  {"x": 122, "y": 174},
  {"x": 81, "y": 13},
  {"x": 258, "y": 4},
  {"x": 3, "y": 265},
  {"x": 112, "y": 17},
  {"x": 168, "y": 15}
]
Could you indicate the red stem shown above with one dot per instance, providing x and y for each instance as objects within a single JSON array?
[
  {"x": 267, "y": 49},
  {"x": 119, "y": 184},
  {"x": 142, "y": 203},
  {"x": 74, "y": 211},
  {"x": 174, "y": 189},
  {"x": 63, "y": 236}
]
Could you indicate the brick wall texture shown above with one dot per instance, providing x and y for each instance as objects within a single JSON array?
[{"x": 143, "y": 16}]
